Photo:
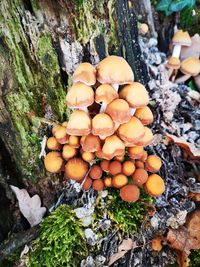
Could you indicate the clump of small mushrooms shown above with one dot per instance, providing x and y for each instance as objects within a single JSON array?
[
  {"x": 185, "y": 57},
  {"x": 105, "y": 148}
]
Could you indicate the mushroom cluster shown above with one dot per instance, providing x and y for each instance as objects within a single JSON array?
[
  {"x": 102, "y": 143},
  {"x": 189, "y": 65}
]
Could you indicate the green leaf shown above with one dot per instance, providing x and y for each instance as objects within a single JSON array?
[
  {"x": 163, "y": 5},
  {"x": 179, "y": 5}
]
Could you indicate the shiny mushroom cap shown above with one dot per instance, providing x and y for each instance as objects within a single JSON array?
[
  {"x": 76, "y": 169},
  {"x": 112, "y": 147},
  {"x": 119, "y": 180},
  {"x": 146, "y": 139},
  {"x": 68, "y": 152},
  {"x": 135, "y": 94},
  {"x": 143, "y": 28},
  {"x": 190, "y": 66},
  {"x": 102, "y": 125},
  {"x": 85, "y": 73},
  {"x": 140, "y": 176},
  {"x": 80, "y": 95},
  {"x": 114, "y": 70},
  {"x": 105, "y": 93},
  {"x": 135, "y": 152},
  {"x": 153, "y": 163},
  {"x": 181, "y": 38},
  {"x": 145, "y": 115},
  {"x": 118, "y": 110},
  {"x": 155, "y": 185},
  {"x": 132, "y": 131},
  {"x": 173, "y": 63},
  {"x": 79, "y": 123},
  {"x": 91, "y": 143},
  {"x": 53, "y": 162},
  {"x": 130, "y": 193}
]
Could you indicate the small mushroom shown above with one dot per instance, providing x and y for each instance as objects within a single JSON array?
[
  {"x": 79, "y": 123},
  {"x": 155, "y": 185},
  {"x": 115, "y": 167},
  {"x": 143, "y": 28},
  {"x": 91, "y": 143},
  {"x": 173, "y": 63},
  {"x": 87, "y": 183},
  {"x": 136, "y": 95},
  {"x": 118, "y": 110},
  {"x": 114, "y": 70},
  {"x": 88, "y": 156},
  {"x": 61, "y": 135},
  {"x": 53, "y": 162},
  {"x": 108, "y": 181},
  {"x": 98, "y": 185},
  {"x": 119, "y": 180},
  {"x": 85, "y": 73},
  {"x": 153, "y": 163},
  {"x": 145, "y": 115},
  {"x": 132, "y": 131},
  {"x": 53, "y": 144},
  {"x": 190, "y": 67},
  {"x": 68, "y": 152},
  {"x": 193, "y": 50},
  {"x": 140, "y": 176},
  {"x": 135, "y": 152},
  {"x": 105, "y": 94},
  {"x": 112, "y": 147},
  {"x": 76, "y": 169},
  {"x": 179, "y": 39},
  {"x": 139, "y": 164},
  {"x": 144, "y": 156},
  {"x": 146, "y": 139},
  {"x": 130, "y": 193},
  {"x": 102, "y": 125},
  {"x": 55, "y": 128},
  {"x": 80, "y": 96},
  {"x": 128, "y": 168},
  {"x": 74, "y": 141},
  {"x": 95, "y": 172},
  {"x": 105, "y": 165}
]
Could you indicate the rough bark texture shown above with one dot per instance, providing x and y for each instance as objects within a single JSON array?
[{"x": 41, "y": 43}]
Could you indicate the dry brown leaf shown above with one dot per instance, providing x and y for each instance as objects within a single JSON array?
[
  {"x": 194, "y": 196},
  {"x": 126, "y": 245},
  {"x": 193, "y": 50},
  {"x": 30, "y": 207},
  {"x": 156, "y": 243},
  {"x": 190, "y": 149}
]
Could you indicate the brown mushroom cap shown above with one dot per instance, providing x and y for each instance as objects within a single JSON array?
[
  {"x": 130, "y": 193},
  {"x": 132, "y": 131},
  {"x": 135, "y": 94},
  {"x": 53, "y": 144},
  {"x": 102, "y": 125},
  {"x": 146, "y": 139},
  {"x": 112, "y": 147},
  {"x": 155, "y": 185},
  {"x": 190, "y": 66},
  {"x": 136, "y": 152},
  {"x": 115, "y": 167},
  {"x": 85, "y": 73},
  {"x": 91, "y": 143},
  {"x": 98, "y": 185},
  {"x": 76, "y": 169},
  {"x": 53, "y": 162},
  {"x": 119, "y": 111},
  {"x": 87, "y": 184},
  {"x": 119, "y": 180},
  {"x": 140, "y": 176},
  {"x": 114, "y": 70},
  {"x": 144, "y": 114},
  {"x": 128, "y": 168},
  {"x": 95, "y": 172},
  {"x": 153, "y": 163},
  {"x": 68, "y": 152},
  {"x": 181, "y": 38},
  {"x": 79, "y": 123},
  {"x": 173, "y": 63},
  {"x": 80, "y": 95},
  {"x": 105, "y": 165},
  {"x": 105, "y": 93}
]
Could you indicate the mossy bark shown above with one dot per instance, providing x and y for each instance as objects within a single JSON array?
[{"x": 41, "y": 43}]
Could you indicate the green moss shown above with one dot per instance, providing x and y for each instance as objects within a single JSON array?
[
  {"x": 194, "y": 258},
  {"x": 61, "y": 241},
  {"x": 11, "y": 260}
]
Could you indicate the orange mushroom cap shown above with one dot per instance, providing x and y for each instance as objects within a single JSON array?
[
  {"x": 88, "y": 156},
  {"x": 53, "y": 144},
  {"x": 139, "y": 164},
  {"x": 112, "y": 147},
  {"x": 76, "y": 169},
  {"x": 55, "y": 128},
  {"x": 85, "y": 73},
  {"x": 79, "y": 123},
  {"x": 144, "y": 156},
  {"x": 102, "y": 125},
  {"x": 68, "y": 152},
  {"x": 145, "y": 115},
  {"x": 53, "y": 162},
  {"x": 95, "y": 172},
  {"x": 119, "y": 180},
  {"x": 98, "y": 185},
  {"x": 118, "y": 110},
  {"x": 87, "y": 184},
  {"x": 61, "y": 135},
  {"x": 140, "y": 176},
  {"x": 155, "y": 185},
  {"x": 91, "y": 143},
  {"x": 105, "y": 93},
  {"x": 108, "y": 181},
  {"x": 74, "y": 141},
  {"x": 153, "y": 163},
  {"x": 135, "y": 152},
  {"x": 146, "y": 139},
  {"x": 130, "y": 193},
  {"x": 105, "y": 165},
  {"x": 128, "y": 168},
  {"x": 115, "y": 167}
]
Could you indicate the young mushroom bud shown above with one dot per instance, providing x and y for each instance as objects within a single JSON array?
[
  {"x": 140, "y": 177},
  {"x": 95, "y": 172},
  {"x": 98, "y": 185},
  {"x": 130, "y": 193},
  {"x": 85, "y": 73},
  {"x": 108, "y": 181},
  {"x": 76, "y": 169},
  {"x": 105, "y": 165},
  {"x": 143, "y": 28},
  {"x": 119, "y": 180},
  {"x": 114, "y": 70},
  {"x": 102, "y": 125},
  {"x": 88, "y": 156},
  {"x": 91, "y": 143},
  {"x": 80, "y": 96},
  {"x": 128, "y": 168},
  {"x": 153, "y": 163},
  {"x": 61, "y": 135},
  {"x": 179, "y": 39},
  {"x": 53, "y": 162},
  {"x": 53, "y": 144},
  {"x": 105, "y": 94},
  {"x": 79, "y": 123},
  {"x": 87, "y": 183},
  {"x": 146, "y": 139},
  {"x": 145, "y": 115},
  {"x": 74, "y": 141},
  {"x": 115, "y": 167},
  {"x": 155, "y": 185},
  {"x": 112, "y": 147},
  {"x": 135, "y": 152},
  {"x": 68, "y": 152}
]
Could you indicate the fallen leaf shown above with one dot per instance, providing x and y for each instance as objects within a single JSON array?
[
  {"x": 30, "y": 207},
  {"x": 126, "y": 245},
  {"x": 193, "y": 50},
  {"x": 156, "y": 243},
  {"x": 191, "y": 150}
]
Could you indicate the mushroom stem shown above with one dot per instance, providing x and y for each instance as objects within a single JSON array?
[
  {"x": 176, "y": 51},
  {"x": 103, "y": 107},
  {"x": 170, "y": 72},
  {"x": 183, "y": 78},
  {"x": 115, "y": 86},
  {"x": 132, "y": 111},
  {"x": 84, "y": 108},
  {"x": 174, "y": 75}
]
